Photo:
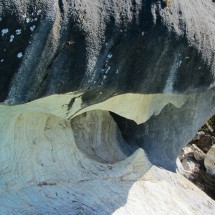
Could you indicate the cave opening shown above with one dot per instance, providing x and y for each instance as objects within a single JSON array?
[
  {"x": 108, "y": 137},
  {"x": 197, "y": 158},
  {"x": 130, "y": 130},
  {"x": 101, "y": 136}
]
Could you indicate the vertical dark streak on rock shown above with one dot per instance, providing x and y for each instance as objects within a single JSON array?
[{"x": 61, "y": 6}]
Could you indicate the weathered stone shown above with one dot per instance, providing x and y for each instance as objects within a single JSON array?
[
  {"x": 191, "y": 165},
  {"x": 198, "y": 154},
  {"x": 142, "y": 77},
  {"x": 210, "y": 161},
  {"x": 136, "y": 46},
  {"x": 85, "y": 167},
  {"x": 205, "y": 143}
]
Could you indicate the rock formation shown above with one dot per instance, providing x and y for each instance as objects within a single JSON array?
[
  {"x": 98, "y": 99},
  {"x": 198, "y": 166}
]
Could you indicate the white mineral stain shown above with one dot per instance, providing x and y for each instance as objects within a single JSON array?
[
  {"x": 110, "y": 56},
  {"x": 18, "y": 31},
  {"x": 11, "y": 38},
  {"x": 28, "y": 20},
  {"x": 4, "y": 31},
  {"x": 107, "y": 70},
  {"x": 172, "y": 76},
  {"x": 39, "y": 12},
  {"x": 20, "y": 55},
  {"x": 32, "y": 28}
]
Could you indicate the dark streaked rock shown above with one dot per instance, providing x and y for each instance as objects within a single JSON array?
[{"x": 137, "y": 46}]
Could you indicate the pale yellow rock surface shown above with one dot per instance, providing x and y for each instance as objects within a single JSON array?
[{"x": 52, "y": 165}]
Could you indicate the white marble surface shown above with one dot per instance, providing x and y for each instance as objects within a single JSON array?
[
  {"x": 47, "y": 168},
  {"x": 210, "y": 161}
]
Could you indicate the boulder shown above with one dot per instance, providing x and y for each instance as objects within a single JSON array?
[
  {"x": 98, "y": 98},
  {"x": 191, "y": 164},
  {"x": 205, "y": 143},
  {"x": 136, "y": 46},
  {"x": 210, "y": 161},
  {"x": 198, "y": 154}
]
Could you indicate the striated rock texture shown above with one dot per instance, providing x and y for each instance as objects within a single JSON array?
[
  {"x": 50, "y": 164},
  {"x": 129, "y": 83},
  {"x": 120, "y": 46}
]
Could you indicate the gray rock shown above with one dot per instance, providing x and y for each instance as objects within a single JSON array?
[
  {"x": 137, "y": 46},
  {"x": 205, "y": 142},
  {"x": 135, "y": 82},
  {"x": 50, "y": 166},
  {"x": 198, "y": 154},
  {"x": 210, "y": 161}
]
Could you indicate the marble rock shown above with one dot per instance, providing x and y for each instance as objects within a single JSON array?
[
  {"x": 210, "y": 161},
  {"x": 98, "y": 98}
]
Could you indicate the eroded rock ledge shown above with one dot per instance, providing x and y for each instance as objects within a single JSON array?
[{"x": 71, "y": 158}]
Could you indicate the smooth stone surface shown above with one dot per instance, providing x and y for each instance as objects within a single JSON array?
[
  {"x": 142, "y": 77},
  {"x": 50, "y": 164},
  {"x": 112, "y": 195},
  {"x": 210, "y": 161}
]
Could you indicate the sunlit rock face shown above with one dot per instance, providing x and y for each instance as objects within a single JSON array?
[
  {"x": 137, "y": 46},
  {"x": 209, "y": 162},
  {"x": 129, "y": 83},
  {"x": 70, "y": 161}
]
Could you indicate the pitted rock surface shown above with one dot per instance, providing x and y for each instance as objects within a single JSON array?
[{"x": 123, "y": 46}]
